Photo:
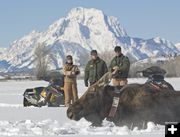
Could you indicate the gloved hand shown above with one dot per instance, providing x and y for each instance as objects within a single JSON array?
[
  {"x": 115, "y": 71},
  {"x": 86, "y": 83},
  {"x": 73, "y": 73},
  {"x": 77, "y": 72},
  {"x": 116, "y": 68}
]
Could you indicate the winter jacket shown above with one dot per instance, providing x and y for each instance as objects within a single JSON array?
[
  {"x": 122, "y": 65},
  {"x": 70, "y": 72},
  {"x": 95, "y": 70}
]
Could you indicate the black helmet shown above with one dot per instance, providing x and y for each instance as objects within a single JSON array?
[{"x": 117, "y": 49}]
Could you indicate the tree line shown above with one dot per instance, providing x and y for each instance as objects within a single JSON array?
[{"x": 42, "y": 58}]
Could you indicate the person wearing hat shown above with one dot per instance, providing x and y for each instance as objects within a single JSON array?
[
  {"x": 70, "y": 85},
  {"x": 94, "y": 69},
  {"x": 119, "y": 67}
]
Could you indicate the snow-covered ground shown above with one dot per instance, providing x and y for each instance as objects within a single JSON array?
[{"x": 15, "y": 120}]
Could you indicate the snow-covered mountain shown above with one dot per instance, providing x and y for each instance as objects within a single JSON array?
[
  {"x": 2, "y": 50},
  {"x": 77, "y": 33},
  {"x": 177, "y": 46}
]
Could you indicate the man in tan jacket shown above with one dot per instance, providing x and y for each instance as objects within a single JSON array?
[{"x": 70, "y": 85}]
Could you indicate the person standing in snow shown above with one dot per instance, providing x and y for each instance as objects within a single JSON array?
[
  {"x": 70, "y": 85},
  {"x": 94, "y": 69},
  {"x": 119, "y": 67}
]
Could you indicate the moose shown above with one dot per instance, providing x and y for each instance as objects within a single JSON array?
[{"x": 131, "y": 105}]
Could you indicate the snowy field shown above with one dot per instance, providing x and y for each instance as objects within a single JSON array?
[{"x": 15, "y": 120}]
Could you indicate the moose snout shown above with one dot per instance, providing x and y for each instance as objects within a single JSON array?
[
  {"x": 69, "y": 113},
  {"x": 73, "y": 115}
]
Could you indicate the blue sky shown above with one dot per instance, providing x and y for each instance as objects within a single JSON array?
[{"x": 140, "y": 18}]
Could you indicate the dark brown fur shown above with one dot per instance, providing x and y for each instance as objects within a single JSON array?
[{"x": 139, "y": 103}]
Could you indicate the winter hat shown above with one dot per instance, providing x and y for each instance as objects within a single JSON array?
[
  {"x": 69, "y": 57},
  {"x": 117, "y": 49},
  {"x": 94, "y": 52}
]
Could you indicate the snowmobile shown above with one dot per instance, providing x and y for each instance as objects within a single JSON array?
[
  {"x": 155, "y": 76},
  {"x": 51, "y": 96}
]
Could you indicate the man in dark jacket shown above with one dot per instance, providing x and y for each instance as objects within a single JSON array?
[
  {"x": 95, "y": 69},
  {"x": 119, "y": 67}
]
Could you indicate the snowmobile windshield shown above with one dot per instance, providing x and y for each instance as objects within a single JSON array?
[
  {"x": 154, "y": 71},
  {"x": 57, "y": 83}
]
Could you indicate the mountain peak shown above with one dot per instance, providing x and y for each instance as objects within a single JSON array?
[
  {"x": 177, "y": 46},
  {"x": 2, "y": 49},
  {"x": 82, "y": 30},
  {"x": 80, "y": 12},
  {"x": 159, "y": 39},
  {"x": 88, "y": 27}
]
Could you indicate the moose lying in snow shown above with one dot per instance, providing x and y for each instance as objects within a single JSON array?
[{"x": 137, "y": 104}]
